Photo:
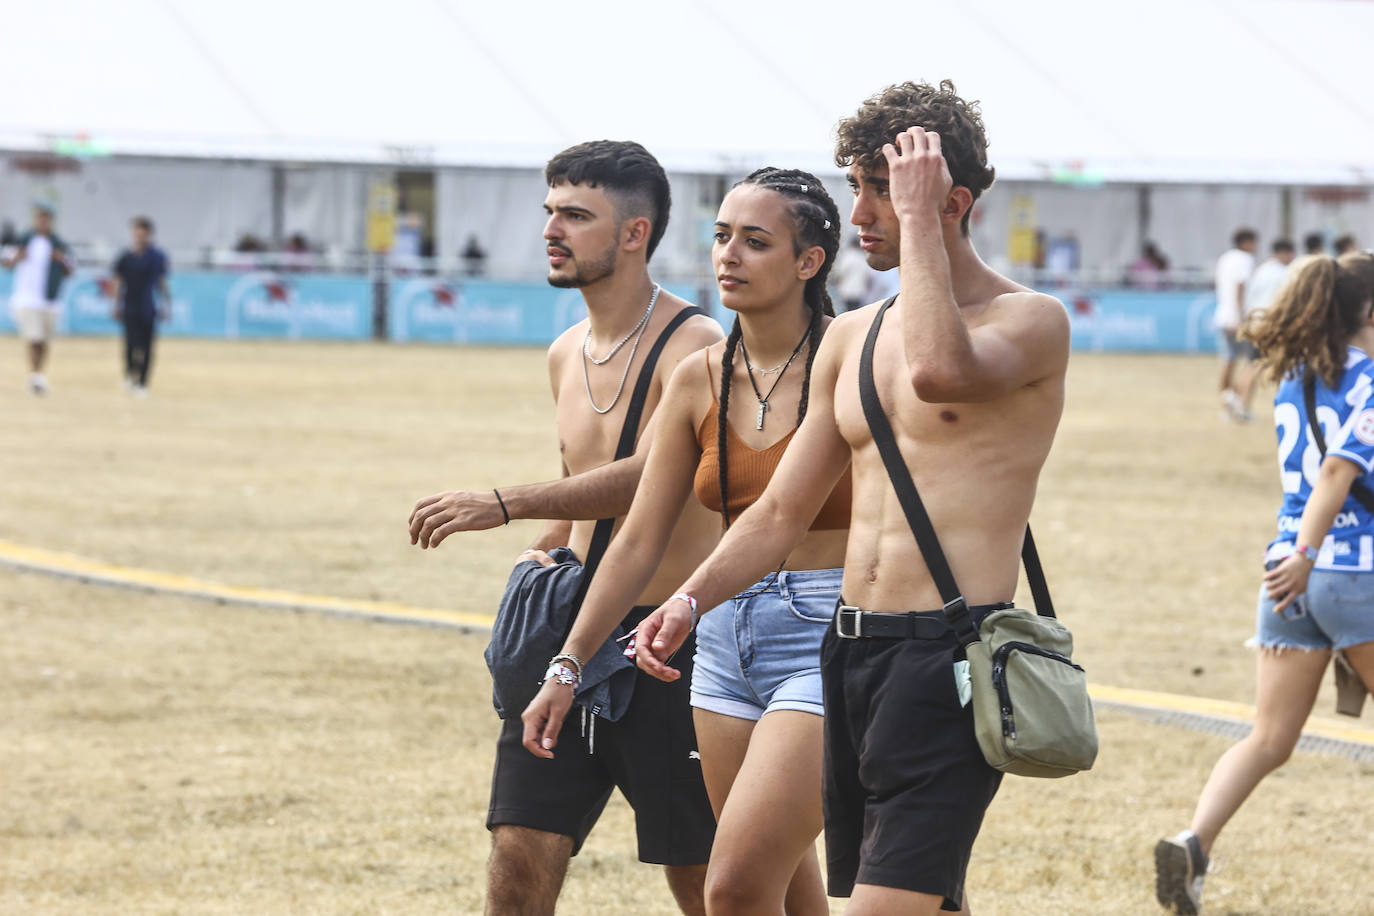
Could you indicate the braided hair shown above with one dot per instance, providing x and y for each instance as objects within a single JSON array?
[{"x": 815, "y": 223}]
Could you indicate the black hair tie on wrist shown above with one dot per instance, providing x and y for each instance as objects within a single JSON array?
[{"x": 502, "y": 504}]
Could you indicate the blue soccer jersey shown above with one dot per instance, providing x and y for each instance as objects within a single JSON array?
[{"x": 1346, "y": 415}]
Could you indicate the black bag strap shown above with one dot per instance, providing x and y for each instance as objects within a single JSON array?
[
  {"x": 1363, "y": 495},
  {"x": 601, "y": 534},
  {"x": 956, "y": 608}
]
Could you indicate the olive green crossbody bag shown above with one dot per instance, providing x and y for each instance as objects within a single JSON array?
[{"x": 1031, "y": 711}]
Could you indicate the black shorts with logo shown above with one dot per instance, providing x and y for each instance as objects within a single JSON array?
[
  {"x": 650, "y": 754},
  {"x": 905, "y": 784}
]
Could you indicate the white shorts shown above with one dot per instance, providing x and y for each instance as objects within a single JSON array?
[{"x": 36, "y": 325}]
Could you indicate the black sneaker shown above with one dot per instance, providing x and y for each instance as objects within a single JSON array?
[{"x": 1180, "y": 869}]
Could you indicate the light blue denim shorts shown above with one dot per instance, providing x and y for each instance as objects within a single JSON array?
[
  {"x": 762, "y": 653},
  {"x": 1336, "y": 612}
]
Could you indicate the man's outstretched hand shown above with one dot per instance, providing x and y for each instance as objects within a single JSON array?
[{"x": 436, "y": 517}]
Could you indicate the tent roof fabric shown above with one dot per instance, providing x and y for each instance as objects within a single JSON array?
[{"x": 1266, "y": 91}]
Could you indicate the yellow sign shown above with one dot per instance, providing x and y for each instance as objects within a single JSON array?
[
  {"x": 381, "y": 216},
  {"x": 1021, "y": 241}
]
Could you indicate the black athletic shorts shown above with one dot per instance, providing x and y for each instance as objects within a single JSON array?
[
  {"x": 650, "y": 754},
  {"x": 905, "y": 784}
]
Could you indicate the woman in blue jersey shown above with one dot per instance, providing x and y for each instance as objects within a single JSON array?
[{"x": 1317, "y": 592}]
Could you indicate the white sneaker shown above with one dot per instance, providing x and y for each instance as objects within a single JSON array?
[
  {"x": 1231, "y": 407},
  {"x": 140, "y": 392},
  {"x": 38, "y": 383},
  {"x": 1180, "y": 869}
]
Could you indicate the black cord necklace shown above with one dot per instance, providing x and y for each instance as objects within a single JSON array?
[{"x": 749, "y": 367}]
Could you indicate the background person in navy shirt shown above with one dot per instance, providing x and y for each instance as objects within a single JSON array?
[{"x": 140, "y": 273}]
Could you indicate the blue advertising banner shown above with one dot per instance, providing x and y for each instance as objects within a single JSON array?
[
  {"x": 252, "y": 304},
  {"x": 267, "y": 304},
  {"x": 1141, "y": 321},
  {"x": 485, "y": 312}
]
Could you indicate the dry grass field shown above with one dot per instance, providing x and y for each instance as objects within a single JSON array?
[{"x": 162, "y": 755}]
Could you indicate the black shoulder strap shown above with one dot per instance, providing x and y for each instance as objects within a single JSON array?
[
  {"x": 1363, "y": 495},
  {"x": 601, "y": 535},
  {"x": 956, "y": 608}
]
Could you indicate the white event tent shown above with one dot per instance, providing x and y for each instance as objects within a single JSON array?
[{"x": 1173, "y": 120}]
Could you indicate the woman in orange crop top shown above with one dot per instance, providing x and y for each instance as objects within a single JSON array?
[{"x": 724, "y": 422}]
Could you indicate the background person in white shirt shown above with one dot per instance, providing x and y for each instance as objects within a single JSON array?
[
  {"x": 41, "y": 261},
  {"x": 1260, "y": 291},
  {"x": 1232, "y": 274}
]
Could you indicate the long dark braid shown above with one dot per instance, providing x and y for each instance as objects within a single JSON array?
[{"x": 816, "y": 222}]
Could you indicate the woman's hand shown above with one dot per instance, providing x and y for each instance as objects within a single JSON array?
[
  {"x": 544, "y": 717},
  {"x": 660, "y": 635},
  {"x": 1285, "y": 582}
]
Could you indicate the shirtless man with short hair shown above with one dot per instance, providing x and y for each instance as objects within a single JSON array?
[
  {"x": 608, "y": 206},
  {"x": 970, "y": 369}
]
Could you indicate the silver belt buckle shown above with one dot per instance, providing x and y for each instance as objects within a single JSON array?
[{"x": 839, "y": 622}]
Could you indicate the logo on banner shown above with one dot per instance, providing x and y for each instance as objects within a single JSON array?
[{"x": 266, "y": 298}]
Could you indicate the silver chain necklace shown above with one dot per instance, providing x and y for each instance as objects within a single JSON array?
[
  {"x": 586, "y": 357},
  {"x": 587, "y": 341}
]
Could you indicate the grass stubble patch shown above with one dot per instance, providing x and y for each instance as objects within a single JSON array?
[{"x": 160, "y": 755}]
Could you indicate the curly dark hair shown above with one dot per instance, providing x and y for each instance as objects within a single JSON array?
[
  {"x": 1322, "y": 304},
  {"x": 627, "y": 171},
  {"x": 940, "y": 109}
]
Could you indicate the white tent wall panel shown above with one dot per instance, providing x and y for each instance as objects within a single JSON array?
[
  {"x": 503, "y": 208},
  {"x": 1104, "y": 220},
  {"x": 1192, "y": 225},
  {"x": 328, "y": 205},
  {"x": 194, "y": 204},
  {"x": 1333, "y": 218}
]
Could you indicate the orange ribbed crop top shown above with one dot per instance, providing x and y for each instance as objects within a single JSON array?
[{"x": 750, "y": 469}]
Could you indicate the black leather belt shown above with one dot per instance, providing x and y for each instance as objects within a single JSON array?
[{"x": 853, "y": 623}]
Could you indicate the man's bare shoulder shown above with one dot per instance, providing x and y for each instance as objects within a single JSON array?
[
  {"x": 1040, "y": 312},
  {"x": 567, "y": 342},
  {"x": 695, "y": 333}
]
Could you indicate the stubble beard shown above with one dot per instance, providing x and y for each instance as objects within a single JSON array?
[{"x": 588, "y": 272}]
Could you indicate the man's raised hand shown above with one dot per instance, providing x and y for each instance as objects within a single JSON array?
[
  {"x": 918, "y": 176},
  {"x": 436, "y": 517}
]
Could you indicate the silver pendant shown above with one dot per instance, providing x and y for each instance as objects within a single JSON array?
[{"x": 758, "y": 422}]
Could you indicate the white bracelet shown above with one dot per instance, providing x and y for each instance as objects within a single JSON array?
[
  {"x": 562, "y": 674},
  {"x": 691, "y": 603}
]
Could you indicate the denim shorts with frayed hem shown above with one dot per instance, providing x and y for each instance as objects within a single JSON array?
[
  {"x": 1336, "y": 612},
  {"x": 760, "y": 653}
]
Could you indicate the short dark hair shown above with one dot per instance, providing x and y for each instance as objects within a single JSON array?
[
  {"x": 1313, "y": 242},
  {"x": 1282, "y": 245},
  {"x": 1343, "y": 244},
  {"x": 1244, "y": 235},
  {"x": 142, "y": 222},
  {"x": 627, "y": 171},
  {"x": 940, "y": 109}
]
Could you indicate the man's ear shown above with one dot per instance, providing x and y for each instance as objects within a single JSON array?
[
  {"x": 634, "y": 233},
  {"x": 959, "y": 201}
]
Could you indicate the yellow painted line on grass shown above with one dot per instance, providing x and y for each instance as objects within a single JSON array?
[
  {"x": 70, "y": 566},
  {"x": 1202, "y": 706}
]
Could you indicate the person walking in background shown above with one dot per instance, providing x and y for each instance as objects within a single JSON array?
[
  {"x": 140, "y": 274},
  {"x": 1345, "y": 244},
  {"x": 1317, "y": 591},
  {"x": 1313, "y": 243},
  {"x": 41, "y": 261},
  {"x": 853, "y": 276},
  {"x": 1232, "y": 274},
  {"x": 1263, "y": 286}
]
